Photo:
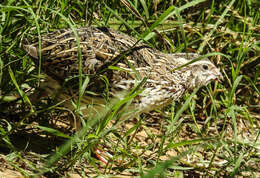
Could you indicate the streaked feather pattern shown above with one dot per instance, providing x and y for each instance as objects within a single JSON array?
[{"x": 124, "y": 62}]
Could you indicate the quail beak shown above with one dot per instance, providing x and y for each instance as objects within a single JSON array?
[{"x": 219, "y": 76}]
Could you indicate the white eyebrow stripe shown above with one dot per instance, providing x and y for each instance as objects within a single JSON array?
[{"x": 203, "y": 62}]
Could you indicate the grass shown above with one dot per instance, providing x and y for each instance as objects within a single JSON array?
[{"x": 213, "y": 131}]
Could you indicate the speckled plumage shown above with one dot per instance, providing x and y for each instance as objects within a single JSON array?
[{"x": 132, "y": 61}]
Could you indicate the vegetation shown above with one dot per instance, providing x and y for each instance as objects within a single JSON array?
[{"x": 212, "y": 132}]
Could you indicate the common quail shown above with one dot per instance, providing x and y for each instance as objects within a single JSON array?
[{"x": 122, "y": 61}]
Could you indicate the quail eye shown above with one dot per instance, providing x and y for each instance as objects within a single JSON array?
[{"x": 205, "y": 67}]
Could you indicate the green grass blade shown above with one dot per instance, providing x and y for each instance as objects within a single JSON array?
[
  {"x": 53, "y": 131},
  {"x": 161, "y": 167},
  {"x": 233, "y": 90},
  {"x": 145, "y": 8},
  {"x": 208, "y": 36},
  {"x": 180, "y": 111},
  {"x": 39, "y": 39},
  {"x": 20, "y": 91}
]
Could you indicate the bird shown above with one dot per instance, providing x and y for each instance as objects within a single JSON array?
[{"x": 116, "y": 62}]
